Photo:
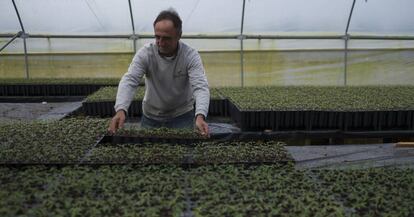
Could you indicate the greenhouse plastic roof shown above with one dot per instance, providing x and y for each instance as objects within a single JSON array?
[{"x": 378, "y": 17}]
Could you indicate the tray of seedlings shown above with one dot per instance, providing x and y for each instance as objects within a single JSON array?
[
  {"x": 189, "y": 137},
  {"x": 135, "y": 135},
  {"x": 92, "y": 191},
  {"x": 102, "y": 102},
  {"x": 81, "y": 141},
  {"x": 60, "y": 167},
  {"x": 350, "y": 108},
  {"x": 383, "y": 191},
  {"x": 61, "y": 142},
  {"x": 185, "y": 148},
  {"x": 199, "y": 154},
  {"x": 264, "y": 190},
  {"x": 53, "y": 87},
  {"x": 219, "y": 105}
]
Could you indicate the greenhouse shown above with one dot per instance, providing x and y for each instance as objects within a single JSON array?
[{"x": 249, "y": 108}]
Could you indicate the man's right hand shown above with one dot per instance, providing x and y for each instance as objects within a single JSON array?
[{"x": 117, "y": 122}]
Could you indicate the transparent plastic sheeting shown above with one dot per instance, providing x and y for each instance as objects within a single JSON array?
[
  {"x": 210, "y": 16},
  {"x": 8, "y": 18},
  {"x": 365, "y": 67},
  {"x": 68, "y": 16},
  {"x": 296, "y": 67},
  {"x": 113, "y": 17},
  {"x": 383, "y": 17},
  {"x": 76, "y": 45},
  {"x": 270, "y": 16},
  {"x": 68, "y": 45}
]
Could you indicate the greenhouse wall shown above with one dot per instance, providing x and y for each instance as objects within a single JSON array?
[
  {"x": 266, "y": 66},
  {"x": 245, "y": 43}
]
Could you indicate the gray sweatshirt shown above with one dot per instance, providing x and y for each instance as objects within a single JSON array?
[{"x": 171, "y": 86}]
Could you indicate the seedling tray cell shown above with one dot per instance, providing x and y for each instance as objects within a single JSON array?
[
  {"x": 328, "y": 120},
  {"x": 48, "y": 89},
  {"x": 106, "y": 108},
  {"x": 218, "y": 107}
]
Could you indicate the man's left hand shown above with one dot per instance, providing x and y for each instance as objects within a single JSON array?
[{"x": 202, "y": 125}]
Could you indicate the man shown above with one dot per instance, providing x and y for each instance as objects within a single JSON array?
[{"x": 175, "y": 78}]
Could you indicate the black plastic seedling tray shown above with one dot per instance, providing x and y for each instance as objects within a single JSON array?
[
  {"x": 187, "y": 160},
  {"x": 106, "y": 108},
  {"x": 251, "y": 120},
  {"x": 48, "y": 89},
  {"x": 254, "y": 136},
  {"x": 218, "y": 107},
  {"x": 36, "y": 99}
]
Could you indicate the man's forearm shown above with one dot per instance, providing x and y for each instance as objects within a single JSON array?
[{"x": 202, "y": 98}]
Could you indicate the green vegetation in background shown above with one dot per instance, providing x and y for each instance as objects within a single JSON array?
[
  {"x": 222, "y": 68},
  {"x": 322, "y": 98},
  {"x": 264, "y": 68},
  {"x": 66, "y": 65},
  {"x": 307, "y": 67}
]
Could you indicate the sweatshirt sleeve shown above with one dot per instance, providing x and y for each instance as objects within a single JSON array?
[
  {"x": 199, "y": 84},
  {"x": 130, "y": 80}
]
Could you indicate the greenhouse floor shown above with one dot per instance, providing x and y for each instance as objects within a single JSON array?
[
  {"x": 36, "y": 111},
  {"x": 306, "y": 156},
  {"x": 352, "y": 156}
]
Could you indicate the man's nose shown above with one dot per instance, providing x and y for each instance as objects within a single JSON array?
[{"x": 161, "y": 42}]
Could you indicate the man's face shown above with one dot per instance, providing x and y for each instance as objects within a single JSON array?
[{"x": 166, "y": 37}]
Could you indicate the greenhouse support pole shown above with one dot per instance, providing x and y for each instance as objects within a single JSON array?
[
  {"x": 241, "y": 37},
  {"x": 24, "y": 36},
  {"x": 11, "y": 40},
  {"x": 225, "y": 36},
  {"x": 134, "y": 36},
  {"x": 26, "y": 59},
  {"x": 346, "y": 38}
]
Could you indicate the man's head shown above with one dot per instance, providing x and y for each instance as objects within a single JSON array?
[{"x": 167, "y": 30}]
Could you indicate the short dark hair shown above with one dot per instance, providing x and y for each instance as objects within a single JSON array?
[{"x": 170, "y": 14}]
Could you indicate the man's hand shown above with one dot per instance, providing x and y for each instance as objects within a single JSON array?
[
  {"x": 202, "y": 125},
  {"x": 117, "y": 122}
]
